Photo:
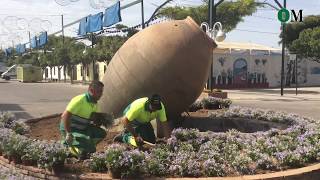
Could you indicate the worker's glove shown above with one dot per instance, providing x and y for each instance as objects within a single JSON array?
[{"x": 69, "y": 138}]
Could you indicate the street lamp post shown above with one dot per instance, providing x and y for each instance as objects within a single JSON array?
[
  {"x": 212, "y": 13},
  {"x": 283, "y": 50},
  {"x": 218, "y": 35},
  {"x": 283, "y": 25}
]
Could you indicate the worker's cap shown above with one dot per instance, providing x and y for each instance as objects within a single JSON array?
[{"x": 155, "y": 101}]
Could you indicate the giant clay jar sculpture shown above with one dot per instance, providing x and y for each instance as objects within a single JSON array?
[{"x": 171, "y": 59}]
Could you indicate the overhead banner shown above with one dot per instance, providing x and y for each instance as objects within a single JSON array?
[
  {"x": 8, "y": 51},
  {"x": 43, "y": 38},
  {"x": 33, "y": 43},
  {"x": 21, "y": 48},
  {"x": 95, "y": 22},
  {"x": 82, "y": 27},
  {"x": 112, "y": 15}
]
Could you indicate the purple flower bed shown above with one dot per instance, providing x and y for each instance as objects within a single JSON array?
[
  {"x": 190, "y": 153},
  {"x": 21, "y": 149}
]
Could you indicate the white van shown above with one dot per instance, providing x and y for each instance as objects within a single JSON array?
[{"x": 11, "y": 73}]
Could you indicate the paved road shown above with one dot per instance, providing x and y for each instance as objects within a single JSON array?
[
  {"x": 306, "y": 103},
  {"x": 29, "y": 100}
]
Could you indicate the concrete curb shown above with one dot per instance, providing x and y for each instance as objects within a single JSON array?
[{"x": 34, "y": 120}]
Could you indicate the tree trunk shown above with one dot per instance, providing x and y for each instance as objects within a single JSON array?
[
  {"x": 44, "y": 72},
  {"x": 59, "y": 73},
  {"x": 72, "y": 74},
  {"x": 83, "y": 73},
  {"x": 51, "y": 72},
  {"x": 64, "y": 73},
  {"x": 293, "y": 79},
  {"x": 288, "y": 78}
]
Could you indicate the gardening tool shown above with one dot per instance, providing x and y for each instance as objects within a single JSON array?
[
  {"x": 133, "y": 142},
  {"x": 149, "y": 143}
]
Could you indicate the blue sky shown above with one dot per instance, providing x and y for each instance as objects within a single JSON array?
[{"x": 261, "y": 28}]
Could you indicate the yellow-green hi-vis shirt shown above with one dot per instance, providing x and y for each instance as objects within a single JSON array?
[
  {"x": 137, "y": 111},
  {"x": 82, "y": 106}
]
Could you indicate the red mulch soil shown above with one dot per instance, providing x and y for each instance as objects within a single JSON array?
[{"x": 48, "y": 129}]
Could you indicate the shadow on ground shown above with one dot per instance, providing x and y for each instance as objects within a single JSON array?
[
  {"x": 16, "y": 109},
  {"x": 224, "y": 124}
]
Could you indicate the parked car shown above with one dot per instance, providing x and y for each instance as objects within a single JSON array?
[{"x": 11, "y": 73}]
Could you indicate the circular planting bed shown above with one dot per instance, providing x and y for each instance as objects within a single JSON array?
[{"x": 246, "y": 142}]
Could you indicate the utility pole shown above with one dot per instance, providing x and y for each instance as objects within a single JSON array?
[
  {"x": 142, "y": 14},
  {"x": 210, "y": 25},
  {"x": 93, "y": 61},
  {"x": 296, "y": 72},
  {"x": 212, "y": 8},
  {"x": 283, "y": 50},
  {"x": 30, "y": 40},
  {"x": 64, "y": 65}
]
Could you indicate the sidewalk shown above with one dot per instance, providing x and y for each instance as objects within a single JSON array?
[
  {"x": 289, "y": 94},
  {"x": 306, "y": 103}
]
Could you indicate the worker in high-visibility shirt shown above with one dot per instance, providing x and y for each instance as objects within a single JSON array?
[
  {"x": 79, "y": 133},
  {"x": 137, "y": 117}
]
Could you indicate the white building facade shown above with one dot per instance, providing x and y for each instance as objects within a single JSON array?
[{"x": 247, "y": 65}]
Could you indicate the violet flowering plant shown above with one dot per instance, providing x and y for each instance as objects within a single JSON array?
[
  {"x": 210, "y": 103},
  {"x": 8, "y": 120},
  {"x": 52, "y": 154},
  {"x": 12, "y": 174},
  {"x": 97, "y": 162},
  {"x": 158, "y": 161},
  {"x": 132, "y": 164},
  {"x": 32, "y": 152}
]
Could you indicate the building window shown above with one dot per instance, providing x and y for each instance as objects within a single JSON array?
[
  {"x": 81, "y": 70},
  {"x": 54, "y": 71},
  {"x": 104, "y": 69}
]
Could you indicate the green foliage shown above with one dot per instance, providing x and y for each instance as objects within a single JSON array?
[
  {"x": 303, "y": 38},
  {"x": 107, "y": 46},
  {"x": 308, "y": 44},
  {"x": 2, "y": 56},
  {"x": 293, "y": 29},
  {"x": 228, "y": 13},
  {"x": 69, "y": 52}
]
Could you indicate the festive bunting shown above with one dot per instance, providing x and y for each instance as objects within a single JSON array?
[
  {"x": 95, "y": 22},
  {"x": 112, "y": 15}
]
